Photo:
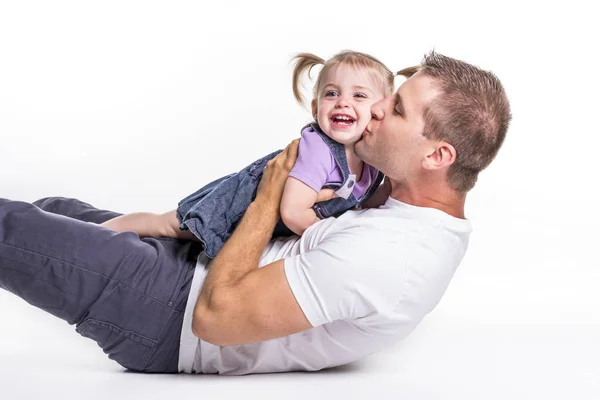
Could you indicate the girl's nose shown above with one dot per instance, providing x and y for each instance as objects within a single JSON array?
[{"x": 342, "y": 102}]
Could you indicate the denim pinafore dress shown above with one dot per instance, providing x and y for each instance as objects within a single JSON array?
[{"x": 213, "y": 212}]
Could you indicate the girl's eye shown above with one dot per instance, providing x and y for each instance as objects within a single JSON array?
[
  {"x": 330, "y": 93},
  {"x": 360, "y": 95},
  {"x": 396, "y": 112}
]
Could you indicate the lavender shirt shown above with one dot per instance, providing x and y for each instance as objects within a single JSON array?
[{"x": 316, "y": 166}]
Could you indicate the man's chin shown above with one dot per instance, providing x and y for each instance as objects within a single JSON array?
[
  {"x": 358, "y": 147},
  {"x": 361, "y": 137}
]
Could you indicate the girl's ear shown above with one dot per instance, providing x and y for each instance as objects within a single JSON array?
[{"x": 313, "y": 105}]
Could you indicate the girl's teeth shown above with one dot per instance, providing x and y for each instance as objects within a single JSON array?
[{"x": 343, "y": 120}]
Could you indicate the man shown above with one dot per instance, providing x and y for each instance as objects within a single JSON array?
[{"x": 350, "y": 286}]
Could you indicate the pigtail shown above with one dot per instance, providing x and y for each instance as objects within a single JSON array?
[
  {"x": 304, "y": 63},
  {"x": 409, "y": 71}
]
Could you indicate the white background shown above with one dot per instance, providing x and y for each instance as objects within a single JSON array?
[{"x": 131, "y": 105}]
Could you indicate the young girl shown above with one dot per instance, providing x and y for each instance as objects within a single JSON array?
[{"x": 346, "y": 87}]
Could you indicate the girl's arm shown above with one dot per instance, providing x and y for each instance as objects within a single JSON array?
[
  {"x": 296, "y": 205},
  {"x": 149, "y": 225}
]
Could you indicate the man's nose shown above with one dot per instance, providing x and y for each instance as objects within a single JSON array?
[{"x": 377, "y": 110}]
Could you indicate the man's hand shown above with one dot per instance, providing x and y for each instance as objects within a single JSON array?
[{"x": 275, "y": 174}]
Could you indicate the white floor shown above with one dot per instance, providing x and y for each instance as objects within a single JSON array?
[
  {"x": 445, "y": 358},
  {"x": 503, "y": 330}
]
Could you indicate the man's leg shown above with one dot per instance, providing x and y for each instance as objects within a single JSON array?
[
  {"x": 125, "y": 293},
  {"x": 74, "y": 208}
]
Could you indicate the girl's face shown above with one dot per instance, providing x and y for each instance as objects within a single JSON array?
[{"x": 343, "y": 106}]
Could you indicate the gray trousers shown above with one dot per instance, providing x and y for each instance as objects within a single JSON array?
[{"x": 127, "y": 294}]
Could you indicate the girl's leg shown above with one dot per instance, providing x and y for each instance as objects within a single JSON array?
[
  {"x": 151, "y": 225},
  {"x": 147, "y": 224}
]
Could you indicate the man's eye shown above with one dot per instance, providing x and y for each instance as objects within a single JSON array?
[{"x": 331, "y": 93}]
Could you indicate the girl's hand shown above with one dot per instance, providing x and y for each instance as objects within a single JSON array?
[
  {"x": 275, "y": 174},
  {"x": 325, "y": 194}
]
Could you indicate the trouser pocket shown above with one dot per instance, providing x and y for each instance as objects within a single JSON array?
[
  {"x": 126, "y": 324},
  {"x": 129, "y": 349}
]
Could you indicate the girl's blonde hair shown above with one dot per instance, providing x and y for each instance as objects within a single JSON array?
[{"x": 305, "y": 62}]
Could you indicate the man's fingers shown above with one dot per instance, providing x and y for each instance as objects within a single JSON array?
[
  {"x": 291, "y": 153},
  {"x": 287, "y": 158},
  {"x": 292, "y": 148},
  {"x": 276, "y": 172}
]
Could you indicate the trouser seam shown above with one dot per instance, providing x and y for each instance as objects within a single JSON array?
[{"x": 89, "y": 271}]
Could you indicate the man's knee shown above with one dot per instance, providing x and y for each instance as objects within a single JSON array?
[{"x": 57, "y": 205}]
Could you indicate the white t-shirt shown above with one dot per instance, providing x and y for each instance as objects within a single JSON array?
[{"x": 364, "y": 281}]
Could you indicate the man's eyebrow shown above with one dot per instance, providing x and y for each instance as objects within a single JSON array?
[{"x": 399, "y": 104}]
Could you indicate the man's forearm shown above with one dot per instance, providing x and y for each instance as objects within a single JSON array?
[
  {"x": 227, "y": 311},
  {"x": 241, "y": 254}
]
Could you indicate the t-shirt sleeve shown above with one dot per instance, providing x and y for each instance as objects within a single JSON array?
[
  {"x": 314, "y": 163},
  {"x": 340, "y": 279}
]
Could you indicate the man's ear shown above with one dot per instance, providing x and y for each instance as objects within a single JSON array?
[
  {"x": 313, "y": 105},
  {"x": 440, "y": 155}
]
